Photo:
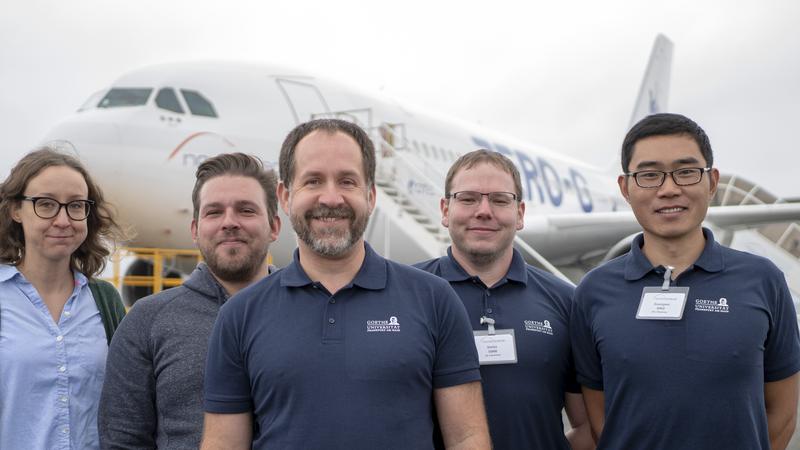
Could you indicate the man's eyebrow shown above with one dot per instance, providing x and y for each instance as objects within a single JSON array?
[
  {"x": 654, "y": 164},
  {"x": 339, "y": 174},
  {"x": 210, "y": 205},
  {"x": 241, "y": 203},
  {"x": 687, "y": 160}
]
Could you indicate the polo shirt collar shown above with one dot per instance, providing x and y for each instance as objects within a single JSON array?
[
  {"x": 451, "y": 270},
  {"x": 371, "y": 275},
  {"x": 637, "y": 265},
  {"x": 518, "y": 271},
  {"x": 711, "y": 260}
]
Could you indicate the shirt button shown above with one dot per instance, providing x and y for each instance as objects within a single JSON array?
[
  {"x": 333, "y": 300},
  {"x": 62, "y": 368},
  {"x": 65, "y": 430},
  {"x": 67, "y": 313},
  {"x": 489, "y": 310},
  {"x": 331, "y": 320},
  {"x": 63, "y": 399},
  {"x": 59, "y": 338}
]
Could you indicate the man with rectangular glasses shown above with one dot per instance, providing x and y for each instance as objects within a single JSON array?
[
  {"x": 683, "y": 343},
  {"x": 519, "y": 314}
]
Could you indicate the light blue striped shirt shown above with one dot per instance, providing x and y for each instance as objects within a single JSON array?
[{"x": 51, "y": 373}]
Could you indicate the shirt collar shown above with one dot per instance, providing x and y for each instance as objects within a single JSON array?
[
  {"x": 710, "y": 260},
  {"x": 451, "y": 270},
  {"x": 8, "y": 271},
  {"x": 80, "y": 279},
  {"x": 371, "y": 275}
]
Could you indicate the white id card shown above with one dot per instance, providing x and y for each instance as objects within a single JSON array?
[
  {"x": 660, "y": 304},
  {"x": 497, "y": 348}
]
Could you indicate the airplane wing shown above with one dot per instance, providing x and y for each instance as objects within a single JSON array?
[
  {"x": 745, "y": 216},
  {"x": 564, "y": 237},
  {"x": 738, "y": 216}
]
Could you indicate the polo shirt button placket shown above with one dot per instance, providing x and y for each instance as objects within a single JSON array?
[
  {"x": 487, "y": 307},
  {"x": 333, "y": 330}
]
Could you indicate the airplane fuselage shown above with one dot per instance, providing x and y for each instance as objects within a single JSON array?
[{"x": 144, "y": 138}]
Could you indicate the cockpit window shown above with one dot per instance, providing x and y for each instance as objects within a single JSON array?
[
  {"x": 118, "y": 97},
  {"x": 166, "y": 99},
  {"x": 93, "y": 100},
  {"x": 198, "y": 104}
]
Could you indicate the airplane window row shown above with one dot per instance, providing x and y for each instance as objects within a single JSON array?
[
  {"x": 424, "y": 150},
  {"x": 166, "y": 99}
]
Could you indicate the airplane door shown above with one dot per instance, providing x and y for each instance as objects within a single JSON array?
[{"x": 305, "y": 100}]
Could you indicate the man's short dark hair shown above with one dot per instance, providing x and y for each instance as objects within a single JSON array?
[
  {"x": 483, "y": 156},
  {"x": 286, "y": 160},
  {"x": 665, "y": 124},
  {"x": 237, "y": 164}
]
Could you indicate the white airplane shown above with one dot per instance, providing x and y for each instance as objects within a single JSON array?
[{"x": 143, "y": 138}]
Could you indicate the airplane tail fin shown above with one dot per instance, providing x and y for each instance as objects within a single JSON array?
[{"x": 654, "y": 92}]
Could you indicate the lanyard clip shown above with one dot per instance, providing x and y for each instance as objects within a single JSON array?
[
  {"x": 667, "y": 278},
  {"x": 490, "y": 322}
]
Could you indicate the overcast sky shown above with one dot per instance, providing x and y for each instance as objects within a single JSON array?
[{"x": 563, "y": 75}]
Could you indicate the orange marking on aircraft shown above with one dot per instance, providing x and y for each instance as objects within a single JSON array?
[{"x": 192, "y": 136}]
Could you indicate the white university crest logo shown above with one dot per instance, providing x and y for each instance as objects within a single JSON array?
[
  {"x": 716, "y": 306},
  {"x": 539, "y": 326},
  {"x": 383, "y": 326}
]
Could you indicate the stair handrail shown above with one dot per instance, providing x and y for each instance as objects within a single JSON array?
[{"x": 415, "y": 185}]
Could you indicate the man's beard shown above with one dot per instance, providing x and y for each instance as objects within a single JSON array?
[
  {"x": 237, "y": 265},
  {"x": 330, "y": 241},
  {"x": 478, "y": 256}
]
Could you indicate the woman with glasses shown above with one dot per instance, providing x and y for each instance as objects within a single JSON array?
[{"x": 55, "y": 320}]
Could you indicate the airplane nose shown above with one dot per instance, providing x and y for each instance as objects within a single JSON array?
[{"x": 80, "y": 135}]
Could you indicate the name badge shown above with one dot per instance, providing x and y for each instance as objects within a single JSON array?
[
  {"x": 658, "y": 303},
  {"x": 497, "y": 348}
]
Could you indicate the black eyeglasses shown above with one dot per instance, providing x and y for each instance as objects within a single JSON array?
[
  {"x": 473, "y": 198},
  {"x": 686, "y": 176},
  {"x": 47, "y": 208}
]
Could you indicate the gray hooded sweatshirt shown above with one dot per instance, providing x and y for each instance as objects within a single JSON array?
[{"x": 153, "y": 390}]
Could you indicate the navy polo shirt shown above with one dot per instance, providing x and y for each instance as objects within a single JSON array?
[
  {"x": 523, "y": 400},
  {"x": 354, "y": 370},
  {"x": 694, "y": 383}
]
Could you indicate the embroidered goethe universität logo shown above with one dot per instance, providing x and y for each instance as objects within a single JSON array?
[
  {"x": 383, "y": 326},
  {"x": 539, "y": 326},
  {"x": 717, "y": 306}
]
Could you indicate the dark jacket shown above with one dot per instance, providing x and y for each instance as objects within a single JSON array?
[{"x": 109, "y": 304}]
